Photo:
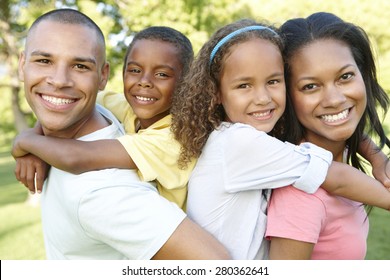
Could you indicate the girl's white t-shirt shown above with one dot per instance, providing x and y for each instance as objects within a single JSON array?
[{"x": 230, "y": 186}]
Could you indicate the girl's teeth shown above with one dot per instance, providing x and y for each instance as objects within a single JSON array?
[
  {"x": 334, "y": 118},
  {"x": 259, "y": 115},
  {"x": 56, "y": 100}
]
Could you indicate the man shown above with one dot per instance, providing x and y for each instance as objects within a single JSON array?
[{"x": 106, "y": 214}]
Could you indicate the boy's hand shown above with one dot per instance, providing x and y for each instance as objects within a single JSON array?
[{"x": 31, "y": 171}]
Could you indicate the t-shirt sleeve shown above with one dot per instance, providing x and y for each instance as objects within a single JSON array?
[
  {"x": 135, "y": 221},
  {"x": 115, "y": 102},
  {"x": 155, "y": 153},
  {"x": 296, "y": 215},
  {"x": 255, "y": 160}
]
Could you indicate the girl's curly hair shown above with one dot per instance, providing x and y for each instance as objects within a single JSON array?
[{"x": 196, "y": 109}]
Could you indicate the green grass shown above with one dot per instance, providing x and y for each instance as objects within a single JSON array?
[
  {"x": 21, "y": 232},
  {"x": 378, "y": 244}
]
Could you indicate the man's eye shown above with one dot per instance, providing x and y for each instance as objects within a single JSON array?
[
  {"x": 81, "y": 66},
  {"x": 43, "y": 61}
]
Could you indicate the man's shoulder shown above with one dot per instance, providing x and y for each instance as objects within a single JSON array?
[{"x": 107, "y": 114}]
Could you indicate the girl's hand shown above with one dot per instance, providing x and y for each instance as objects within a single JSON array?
[{"x": 381, "y": 172}]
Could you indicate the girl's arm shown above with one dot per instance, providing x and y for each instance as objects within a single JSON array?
[
  {"x": 71, "y": 155},
  {"x": 378, "y": 159},
  {"x": 347, "y": 181}
]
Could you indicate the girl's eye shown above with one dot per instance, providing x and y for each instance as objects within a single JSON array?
[
  {"x": 243, "y": 86},
  {"x": 309, "y": 87}
]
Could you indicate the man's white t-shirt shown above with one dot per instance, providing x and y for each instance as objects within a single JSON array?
[{"x": 107, "y": 214}]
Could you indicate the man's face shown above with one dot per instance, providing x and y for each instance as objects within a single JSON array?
[{"x": 62, "y": 67}]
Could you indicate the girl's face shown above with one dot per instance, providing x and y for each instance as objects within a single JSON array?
[
  {"x": 252, "y": 87},
  {"x": 151, "y": 74},
  {"x": 327, "y": 91}
]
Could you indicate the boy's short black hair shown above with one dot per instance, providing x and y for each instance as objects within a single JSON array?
[{"x": 170, "y": 35}]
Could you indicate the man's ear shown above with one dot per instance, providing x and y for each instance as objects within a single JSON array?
[
  {"x": 105, "y": 74},
  {"x": 22, "y": 61}
]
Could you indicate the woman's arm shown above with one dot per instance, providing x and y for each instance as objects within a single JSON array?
[
  {"x": 347, "y": 181},
  {"x": 71, "y": 155},
  {"x": 289, "y": 249}
]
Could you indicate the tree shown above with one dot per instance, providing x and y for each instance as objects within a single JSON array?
[
  {"x": 9, "y": 52},
  {"x": 198, "y": 19},
  {"x": 119, "y": 20}
]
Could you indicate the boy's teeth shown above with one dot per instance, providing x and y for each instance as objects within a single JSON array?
[
  {"x": 142, "y": 98},
  {"x": 334, "y": 118},
  {"x": 56, "y": 100}
]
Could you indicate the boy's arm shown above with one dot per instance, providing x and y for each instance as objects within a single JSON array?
[
  {"x": 347, "y": 181},
  {"x": 190, "y": 242},
  {"x": 73, "y": 155},
  {"x": 378, "y": 159}
]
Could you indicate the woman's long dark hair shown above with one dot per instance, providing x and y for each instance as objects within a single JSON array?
[{"x": 301, "y": 32}]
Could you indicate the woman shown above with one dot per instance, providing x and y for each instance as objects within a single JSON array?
[{"x": 331, "y": 78}]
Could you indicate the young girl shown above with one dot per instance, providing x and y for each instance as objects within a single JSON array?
[
  {"x": 154, "y": 65},
  {"x": 333, "y": 87},
  {"x": 232, "y": 97}
]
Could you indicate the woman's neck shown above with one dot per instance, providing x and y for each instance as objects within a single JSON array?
[{"x": 335, "y": 147}]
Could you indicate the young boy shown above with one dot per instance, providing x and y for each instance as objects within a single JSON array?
[{"x": 155, "y": 63}]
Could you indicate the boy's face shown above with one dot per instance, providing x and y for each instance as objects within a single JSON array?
[
  {"x": 62, "y": 67},
  {"x": 150, "y": 78},
  {"x": 252, "y": 87}
]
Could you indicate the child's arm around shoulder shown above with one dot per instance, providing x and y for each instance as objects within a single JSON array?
[
  {"x": 72, "y": 155},
  {"x": 347, "y": 181}
]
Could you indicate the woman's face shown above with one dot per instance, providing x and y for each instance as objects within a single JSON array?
[{"x": 327, "y": 91}]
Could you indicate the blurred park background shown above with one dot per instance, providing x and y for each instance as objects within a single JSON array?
[{"x": 20, "y": 228}]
